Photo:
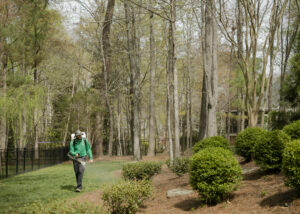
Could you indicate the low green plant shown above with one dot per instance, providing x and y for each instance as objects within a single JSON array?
[
  {"x": 214, "y": 172},
  {"x": 141, "y": 170},
  {"x": 127, "y": 196},
  {"x": 263, "y": 193},
  {"x": 180, "y": 165},
  {"x": 62, "y": 207},
  {"x": 268, "y": 151},
  {"x": 215, "y": 141},
  {"x": 168, "y": 162},
  {"x": 245, "y": 141},
  {"x": 293, "y": 130},
  {"x": 291, "y": 164}
]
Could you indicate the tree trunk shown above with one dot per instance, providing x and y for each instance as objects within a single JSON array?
[
  {"x": 169, "y": 130},
  {"x": 189, "y": 88},
  {"x": 210, "y": 70},
  {"x": 3, "y": 110},
  {"x": 203, "y": 110},
  {"x": 272, "y": 56},
  {"x": 98, "y": 145},
  {"x": 240, "y": 53},
  {"x": 35, "y": 115},
  {"x": 107, "y": 68},
  {"x": 173, "y": 70},
  {"x": 119, "y": 152},
  {"x": 151, "y": 147},
  {"x": 134, "y": 70},
  {"x": 69, "y": 113}
]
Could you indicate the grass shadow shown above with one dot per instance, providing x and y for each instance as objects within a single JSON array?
[
  {"x": 280, "y": 199},
  {"x": 68, "y": 187}
]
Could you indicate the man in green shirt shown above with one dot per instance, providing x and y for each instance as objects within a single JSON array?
[{"x": 80, "y": 149}]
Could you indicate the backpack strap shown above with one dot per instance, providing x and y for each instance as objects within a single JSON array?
[{"x": 84, "y": 143}]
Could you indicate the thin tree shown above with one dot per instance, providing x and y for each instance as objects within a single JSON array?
[{"x": 151, "y": 148}]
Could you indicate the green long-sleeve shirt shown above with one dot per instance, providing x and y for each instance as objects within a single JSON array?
[{"x": 80, "y": 147}]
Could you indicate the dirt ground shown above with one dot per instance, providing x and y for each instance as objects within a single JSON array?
[{"x": 259, "y": 193}]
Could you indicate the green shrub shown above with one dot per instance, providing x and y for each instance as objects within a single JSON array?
[
  {"x": 168, "y": 163},
  {"x": 127, "y": 196},
  {"x": 180, "y": 165},
  {"x": 268, "y": 151},
  {"x": 141, "y": 170},
  {"x": 61, "y": 206},
  {"x": 291, "y": 163},
  {"x": 216, "y": 141},
  {"x": 246, "y": 139},
  {"x": 214, "y": 172},
  {"x": 293, "y": 130}
]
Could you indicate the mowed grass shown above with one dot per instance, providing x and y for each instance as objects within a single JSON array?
[{"x": 54, "y": 183}]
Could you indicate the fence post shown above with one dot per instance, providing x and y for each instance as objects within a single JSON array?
[
  {"x": 45, "y": 158},
  {"x": 6, "y": 165},
  {"x": 17, "y": 159},
  {"x": 39, "y": 158},
  {"x": 24, "y": 160}
]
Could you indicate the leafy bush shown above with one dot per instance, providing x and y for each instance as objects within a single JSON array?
[
  {"x": 180, "y": 165},
  {"x": 291, "y": 163},
  {"x": 293, "y": 130},
  {"x": 216, "y": 141},
  {"x": 62, "y": 207},
  {"x": 268, "y": 151},
  {"x": 214, "y": 172},
  {"x": 127, "y": 196},
  {"x": 245, "y": 141},
  {"x": 141, "y": 170}
]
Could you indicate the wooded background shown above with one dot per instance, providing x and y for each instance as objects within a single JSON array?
[{"x": 144, "y": 76}]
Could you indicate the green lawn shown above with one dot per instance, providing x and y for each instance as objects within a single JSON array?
[{"x": 52, "y": 183}]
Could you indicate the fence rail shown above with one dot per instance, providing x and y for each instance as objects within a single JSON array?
[{"x": 21, "y": 160}]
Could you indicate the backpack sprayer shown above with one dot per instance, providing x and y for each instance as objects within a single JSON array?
[{"x": 73, "y": 137}]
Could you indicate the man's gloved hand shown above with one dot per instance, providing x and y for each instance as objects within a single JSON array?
[
  {"x": 91, "y": 161},
  {"x": 77, "y": 155}
]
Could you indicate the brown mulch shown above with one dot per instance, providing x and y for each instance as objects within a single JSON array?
[{"x": 259, "y": 193}]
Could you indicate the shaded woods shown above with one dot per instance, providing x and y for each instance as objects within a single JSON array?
[{"x": 141, "y": 77}]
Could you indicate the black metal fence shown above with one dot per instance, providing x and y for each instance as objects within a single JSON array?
[{"x": 17, "y": 161}]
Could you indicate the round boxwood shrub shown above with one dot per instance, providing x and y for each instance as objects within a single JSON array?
[
  {"x": 141, "y": 170},
  {"x": 291, "y": 163},
  {"x": 293, "y": 130},
  {"x": 214, "y": 172},
  {"x": 216, "y": 141},
  {"x": 246, "y": 139},
  {"x": 268, "y": 151},
  {"x": 127, "y": 196}
]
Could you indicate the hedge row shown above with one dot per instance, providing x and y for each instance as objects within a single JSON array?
[{"x": 275, "y": 150}]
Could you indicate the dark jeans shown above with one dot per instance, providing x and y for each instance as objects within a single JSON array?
[{"x": 79, "y": 170}]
